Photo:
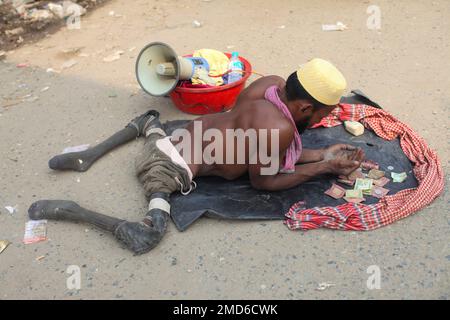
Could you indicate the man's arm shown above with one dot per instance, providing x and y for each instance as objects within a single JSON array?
[
  {"x": 311, "y": 155},
  {"x": 333, "y": 151},
  {"x": 301, "y": 174},
  {"x": 283, "y": 181}
]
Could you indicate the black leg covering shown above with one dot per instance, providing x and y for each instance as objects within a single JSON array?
[
  {"x": 82, "y": 161},
  {"x": 69, "y": 210},
  {"x": 139, "y": 237}
]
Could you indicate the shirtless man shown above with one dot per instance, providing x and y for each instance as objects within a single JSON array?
[{"x": 270, "y": 103}]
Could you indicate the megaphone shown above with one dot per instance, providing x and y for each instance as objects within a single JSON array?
[{"x": 159, "y": 68}]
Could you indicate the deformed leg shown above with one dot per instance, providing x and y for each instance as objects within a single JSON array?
[
  {"x": 139, "y": 237},
  {"x": 81, "y": 161},
  {"x": 69, "y": 210}
]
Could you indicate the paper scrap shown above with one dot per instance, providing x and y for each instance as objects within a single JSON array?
[
  {"x": 35, "y": 231},
  {"x": 353, "y": 194},
  {"x": 369, "y": 164},
  {"x": 76, "y": 148},
  {"x": 3, "y": 245},
  {"x": 356, "y": 174},
  {"x": 381, "y": 182},
  {"x": 375, "y": 174},
  {"x": 379, "y": 192},
  {"x": 363, "y": 184},
  {"x": 354, "y": 200},
  {"x": 398, "y": 177},
  {"x": 339, "y": 26},
  {"x": 347, "y": 182},
  {"x": 335, "y": 191},
  {"x": 11, "y": 209}
]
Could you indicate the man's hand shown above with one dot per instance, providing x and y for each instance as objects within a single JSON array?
[{"x": 343, "y": 158}]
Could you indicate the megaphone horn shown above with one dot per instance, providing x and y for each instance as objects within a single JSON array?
[{"x": 158, "y": 68}]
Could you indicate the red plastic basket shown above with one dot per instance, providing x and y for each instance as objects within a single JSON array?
[{"x": 210, "y": 100}]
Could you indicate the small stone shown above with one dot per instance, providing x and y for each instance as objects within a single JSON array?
[
  {"x": 196, "y": 24},
  {"x": 56, "y": 9},
  {"x": 68, "y": 64},
  {"x": 324, "y": 285},
  {"x": 31, "y": 99},
  {"x": 39, "y": 15},
  {"x": 14, "y": 32},
  {"x": 113, "y": 57},
  {"x": 70, "y": 52}
]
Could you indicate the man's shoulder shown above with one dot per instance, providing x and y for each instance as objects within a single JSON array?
[
  {"x": 257, "y": 88},
  {"x": 277, "y": 80},
  {"x": 266, "y": 116}
]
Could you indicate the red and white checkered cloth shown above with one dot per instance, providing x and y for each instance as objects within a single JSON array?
[{"x": 350, "y": 216}]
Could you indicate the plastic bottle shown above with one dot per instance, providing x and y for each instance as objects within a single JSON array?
[{"x": 236, "y": 68}]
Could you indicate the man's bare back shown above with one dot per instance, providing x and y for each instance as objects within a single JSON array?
[{"x": 250, "y": 112}]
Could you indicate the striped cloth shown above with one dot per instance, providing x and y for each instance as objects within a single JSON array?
[{"x": 351, "y": 216}]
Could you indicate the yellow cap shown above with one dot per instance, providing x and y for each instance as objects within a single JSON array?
[{"x": 322, "y": 80}]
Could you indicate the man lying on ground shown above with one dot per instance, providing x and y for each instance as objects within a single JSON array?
[{"x": 271, "y": 113}]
